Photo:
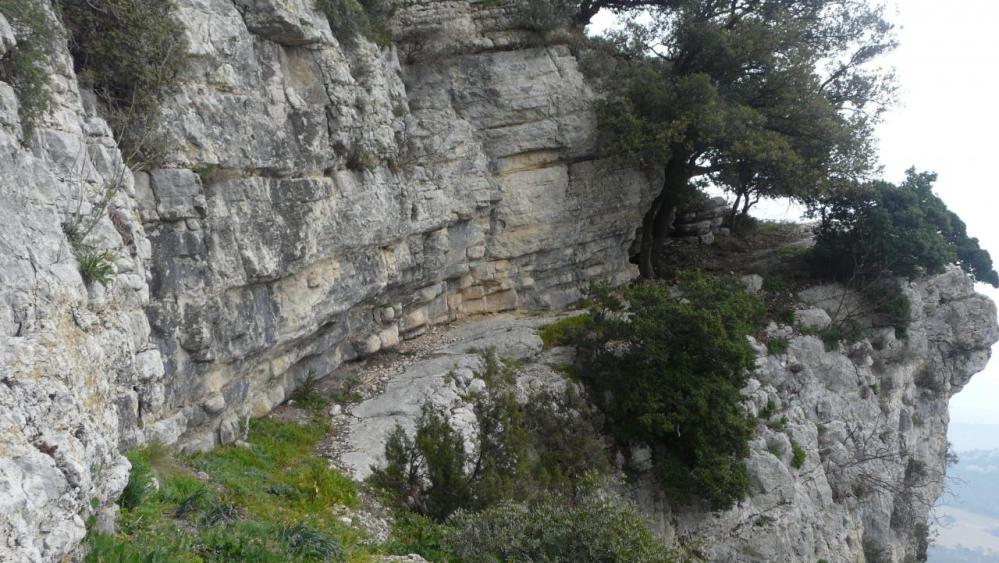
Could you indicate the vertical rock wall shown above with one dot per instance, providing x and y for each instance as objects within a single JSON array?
[
  {"x": 348, "y": 196},
  {"x": 870, "y": 419},
  {"x": 76, "y": 358}
]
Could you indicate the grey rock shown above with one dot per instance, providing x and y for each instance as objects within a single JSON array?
[
  {"x": 178, "y": 194},
  {"x": 812, "y": 318},
  {"x": 7, "y": 39}
]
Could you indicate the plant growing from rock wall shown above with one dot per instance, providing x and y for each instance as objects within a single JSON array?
[
  {"x": 96, "y": 265},
  {"x": 671, "y": 361},
  {"x": 131, "y": 52},
  {"x": 26, "y": 66}
]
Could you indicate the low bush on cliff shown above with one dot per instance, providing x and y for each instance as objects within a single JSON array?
[
  {"x": 873, "y": 233},
  {"x": 131, "y": 52},
  {"x": 25, "y": 67},
  {"x": 593, "y": 528},
  {"x": 871, "y": 229},
  {"x": 522, "y": 450},
  {"x": 670, "y": 361},
  {"x": 273, "y": 500}
]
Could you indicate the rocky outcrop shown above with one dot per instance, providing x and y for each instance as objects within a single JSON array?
[
  {"x": 870, "y": 419},
  {"x": 79, "y": 375},
  {"x": 322, "y": 199},
  {"x": 868, "y": 422},
  {"x": 348, "y": 197}
]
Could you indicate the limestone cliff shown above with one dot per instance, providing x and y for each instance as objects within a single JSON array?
[
  {"x": 324, "y": 198},
  {"x": 346, "y": 197}
]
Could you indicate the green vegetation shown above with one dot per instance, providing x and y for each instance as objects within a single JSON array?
[
  {"x": 875, "y": 232},
  {"x": 131, "y": 52},
  {"x": 777, "y": 346},
  {"x": 546, "y": 445},
  {"x": 96, "y": 266},
  {"x": 778, "y": 425},
  {"x": 547, "y": 15},
  {"x": 527, "y": 491},
  {"x": 766, "y": 99},
  {"x": 875, "y": 229},
  {"x": 797, "y": 456},
  {"x": 26, "y": 67},
  {"x": 352, "y": 18},
  {"x": 671, "y": 362},
  {"x": 270, "y": 502},
  {"x": 591, "y": 529},
  {"x": 564, "y": 331}
]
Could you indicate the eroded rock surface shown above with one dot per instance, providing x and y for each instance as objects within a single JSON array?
[
  {"x": 869, "y": 420},
  {"x": 323, "y": 199},
  {"x": 79, "y": 375}
]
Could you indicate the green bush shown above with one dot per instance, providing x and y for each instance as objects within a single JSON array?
[
  {"x": 131, "y": 52},
  {"x": 872, "y": 229},
  {"x": 546, "y": 445},
  {"x": 26, "y": 68},
  {"x": 562, "y": 331},
  {"x": 777, "y": 346},
  {"x": 546, "y": 15},
  {"x": 592, "y": 529},
  {"x": 672, "y": 361},
  {"x": 798, "y": 456}
]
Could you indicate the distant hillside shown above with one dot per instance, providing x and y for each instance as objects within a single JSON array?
[
  {"x": 973, "y": 483},
  {"x": 967, "y": 528}
]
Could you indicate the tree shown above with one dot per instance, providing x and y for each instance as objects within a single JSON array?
[
  {"x": 763, "y": 97},
  {"x": 873, "y": 229},
  {"x": 669, "y": 362}
]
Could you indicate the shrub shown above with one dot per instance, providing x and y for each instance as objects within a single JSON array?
[
  {"x": 777, "y": 346},
  {"x": 870, "y": 229},
  {"x": 592, "y": 529},
  {"x": 132, "y": 52},
  {"x": 522, "y": 451},
  {"x": 889, "y": 305},
  {"x": 26, "y": 68},
  {"x": 672, "y": 362},
  {"x": 798, "y": 456},
  {"x": 415, "y": 533},
  {"x": 562, "y": 331},
  {"x": 546, "y": 15}
]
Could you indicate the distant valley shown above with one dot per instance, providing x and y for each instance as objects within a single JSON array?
[{"x": 967, "y": 518}]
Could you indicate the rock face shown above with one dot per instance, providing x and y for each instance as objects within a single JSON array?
[
  {"x": 870, "y": 419},
  {"x": 323, "y": 199},
  {"x": 79, "y": 375},
  {"x": 867, "y": 424},
  {"x": 348, "y": 196}
]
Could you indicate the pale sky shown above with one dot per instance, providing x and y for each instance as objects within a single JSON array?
[{"x": 947, "y": 122}]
